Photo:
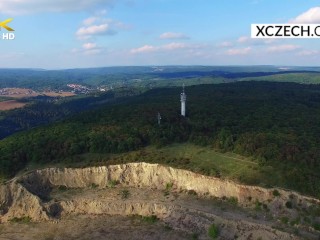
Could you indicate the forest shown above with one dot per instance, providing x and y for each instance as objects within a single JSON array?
[{"x": 277, "y": 124}]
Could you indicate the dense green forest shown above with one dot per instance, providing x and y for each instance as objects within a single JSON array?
[
  {"x": 275, "y": 123},
  {"x": 42, "y": 110}
]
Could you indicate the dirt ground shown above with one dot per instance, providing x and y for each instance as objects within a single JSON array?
[
  {"x": 189, "y": 219},
  {"x": 88, "y": 227}
]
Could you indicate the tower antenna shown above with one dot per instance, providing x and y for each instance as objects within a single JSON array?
[
  {"x": 159, "y": 119},
  {"x": 183, "y": 99}
]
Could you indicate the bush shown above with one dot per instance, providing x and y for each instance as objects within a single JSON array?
[
  {"x": 125, "y": 194},
  {"x": 62, "y": 188},
  {"x": 112, "y": 183},
  {"x": 25, "y": 219},
  {"x": 284, "y": 220},
  {"x": 194, "y": 236},
  {"x": 169, "y": 186},
  {"x": 289, "y": 205},
  {"x": 168, "y": 189},
  {"x": 316, "y": 226},
  {"x": 213, "y": 231},
  {"x": 233, "y": 201},
  {"x": 192, "y": 192},
  {"x": 276, "y": 193},
  {"x": 150, "y": 219}
]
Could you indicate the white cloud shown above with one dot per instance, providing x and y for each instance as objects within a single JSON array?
[
  {"x": 243, "y": 39},
  {"x": 99, "y": 25},
  {"x": 89, "y": 21},
  {"x": 282, "y": 48},
  {"x": 17, "y": 7},
  {"x": 239, "y": 51},
  {"x": 167, "y": 47},
  {"x": 144, "y": 49},
  {"x": 310, "y": 16},
  {"x": 309, "y": 53},
  {"x": 89, "y": 48},
  {"x": 225, "y": 44},
  {"x": 174, "y": 46},
  {"x": 89, "y": 31},
  {"x": 173, "y": 35},
  {"x": 89, "y": 45}
]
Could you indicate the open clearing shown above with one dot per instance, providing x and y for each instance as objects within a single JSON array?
[
  {"x": 58, "y": 94},
  {"x": 203, "y": 160},
  {"x": 11, "y": 104}
]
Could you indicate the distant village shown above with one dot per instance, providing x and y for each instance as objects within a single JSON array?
[{"x": 80, "y": 89}]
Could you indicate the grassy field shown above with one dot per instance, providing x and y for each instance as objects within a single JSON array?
[{"x": 203, "y": 160}]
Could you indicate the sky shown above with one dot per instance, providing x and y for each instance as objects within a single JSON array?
[{"x": 59, "y": 34}]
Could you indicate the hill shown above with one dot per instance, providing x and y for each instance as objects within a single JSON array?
[{"x": 277, "y": 124}]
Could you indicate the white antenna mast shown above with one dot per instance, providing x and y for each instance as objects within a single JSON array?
[
  {"x": 183, "y": 99},
  {"x": 159, "y": 119}
]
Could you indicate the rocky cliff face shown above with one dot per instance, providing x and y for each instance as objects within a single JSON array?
[
  {"x": 152, "y": 176},
  {"x": 16, "y": 202},
  {"x": 24, "y": 196}
]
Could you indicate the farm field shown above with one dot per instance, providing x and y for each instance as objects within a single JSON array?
[
  {"x": 26, "y": 92},
  {"x": 11, "y": 104}
]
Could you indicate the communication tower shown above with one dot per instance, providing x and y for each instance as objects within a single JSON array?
[{"x": 183, "y": 99}]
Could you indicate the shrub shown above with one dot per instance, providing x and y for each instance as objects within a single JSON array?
[
  {"x": 93, "y": 185},
  {"x": 62, "y": 188},
  {"x": 233, "y": 201},
  {"x": 276, "y": 193},
  {"x": 168, "y": 189},
  {"x": 284, "y": 220},
  {"x": 25, "y": 219},
  {"x": 213, "y": 231},
  {"x": 150, "y": 219},
  {"x": 125, "y": 194},
  {"x": 289, "y": 204},
  {"x": 257, "y": 205},
  {"x": 112, "y": 183},
  {"x": 169, "y": 186},
  {"x": 316, "y": 226},
  {"x": 192, "y": 192},
  {"x": 194, "y": 236}
]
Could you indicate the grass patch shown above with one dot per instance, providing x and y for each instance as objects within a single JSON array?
[
  {"x": 94, "y": 185},
  {"x": 25, "y": 219},
  {"x": 233, "y": 201},
  {"x": 213, "y": 231},
  {"x": 125, "y": 194},
  {"x": 203, "y": 160},
  {"x": 150, "y": 219},
  {"x": 194, "y": 236},
  {"x": 168, "y": 189},
  {"x": 112, "y": 183},
  {"x": 284, "y": 220},
  {"x": 62, "y": 188}
]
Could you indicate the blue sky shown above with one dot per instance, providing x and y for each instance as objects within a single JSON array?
[{"x": 55, "y": 34}]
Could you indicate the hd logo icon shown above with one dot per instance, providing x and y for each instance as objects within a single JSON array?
[{"x": 9, "y": 35}]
